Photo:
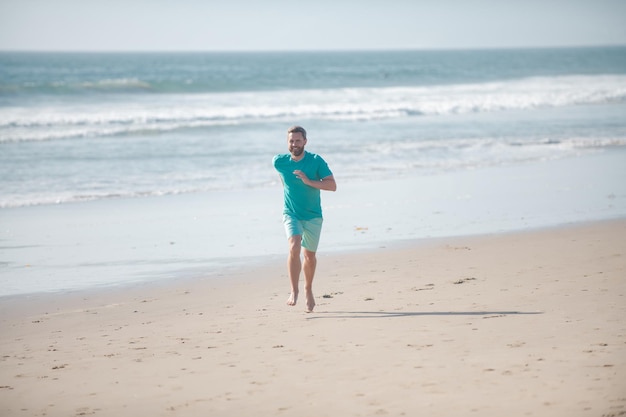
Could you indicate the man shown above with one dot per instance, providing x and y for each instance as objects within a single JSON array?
[{"x": 303, "y": 175}]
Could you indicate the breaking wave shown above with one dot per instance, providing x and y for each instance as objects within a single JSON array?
[{"x": 132, "y": 114}]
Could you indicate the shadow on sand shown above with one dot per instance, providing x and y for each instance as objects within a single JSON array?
[{"x": 387, "y": 314}]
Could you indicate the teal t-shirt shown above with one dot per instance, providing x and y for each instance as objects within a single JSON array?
[{"x": 301, "y": 201}]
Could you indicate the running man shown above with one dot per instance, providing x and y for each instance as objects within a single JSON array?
[{"x": 303, "y": 175}]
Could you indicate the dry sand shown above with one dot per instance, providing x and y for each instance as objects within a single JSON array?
[{"x": 523, "y": 324}]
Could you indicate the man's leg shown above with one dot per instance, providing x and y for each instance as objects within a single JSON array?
[
  {"x": 310, "y": 262},
  {"x": 294, "y": 265}
]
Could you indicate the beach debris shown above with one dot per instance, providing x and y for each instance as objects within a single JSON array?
[
  {"x": 369, "y": 299},
  {"x": 426, "y": 288},
  {"x": 462, "y": 280},
  {"x": 332, "y": 294},
  {"x": 450, "y": 247}
]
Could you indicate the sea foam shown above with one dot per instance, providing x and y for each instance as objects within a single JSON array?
[{"x": 115, "y": 115}]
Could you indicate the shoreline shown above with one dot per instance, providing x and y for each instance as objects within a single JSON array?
[
  {"x": 217, "y": 277},
  {"x": 498, "y": 324},
  {"x": 116, "y": 242}
]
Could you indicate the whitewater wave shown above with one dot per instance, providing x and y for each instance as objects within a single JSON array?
[
  {"x": 108, "y": 85},
  {"x": 133, "y": 114},
  {"x": 384, "y": 159}
]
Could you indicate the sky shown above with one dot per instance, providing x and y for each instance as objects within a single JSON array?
[{"x": 280, "y": 25}]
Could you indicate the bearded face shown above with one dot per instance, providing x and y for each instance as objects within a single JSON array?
[
  {"x": 296, "y": 144},
  {"x": 296, "y": 150}
]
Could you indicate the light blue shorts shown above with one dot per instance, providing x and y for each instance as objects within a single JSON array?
[{"x": 310, "y": 230}]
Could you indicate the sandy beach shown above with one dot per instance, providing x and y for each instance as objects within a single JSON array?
[
  {"x": 517, "y": 324},
  {"x": 472, "y": 261}
]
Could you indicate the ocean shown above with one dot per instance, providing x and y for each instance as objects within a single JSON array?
[{"x": 79, "y": 128}]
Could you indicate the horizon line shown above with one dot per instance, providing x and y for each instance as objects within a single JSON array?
[{"x": 314, "y": 50}]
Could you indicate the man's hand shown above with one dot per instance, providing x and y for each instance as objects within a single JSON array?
[
  {"x": 301, "y": 175},
  {"x": 327, "y": 184}
]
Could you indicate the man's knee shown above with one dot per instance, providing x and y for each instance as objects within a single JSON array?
[
  {"x": 295, "y": 245},
  {"x": 309, "y": 256}
]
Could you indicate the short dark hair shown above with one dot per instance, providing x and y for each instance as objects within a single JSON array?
[{"x": 297, "y": 129}]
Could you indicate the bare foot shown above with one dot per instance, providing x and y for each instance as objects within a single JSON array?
[
  {"x": 293, "y": 298},
  {"x": 310, "y": 302}
]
